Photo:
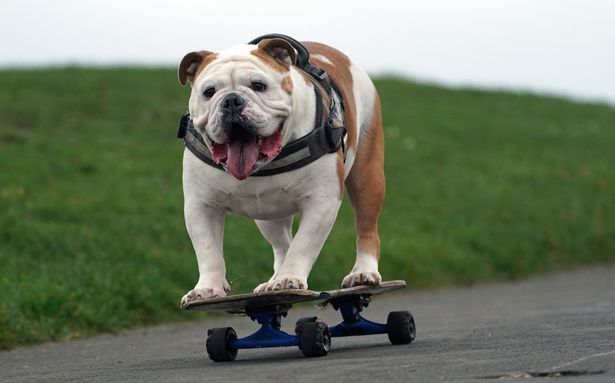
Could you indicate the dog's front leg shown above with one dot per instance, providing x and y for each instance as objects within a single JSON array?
[
  {"x": 317, "y": 219},
  {"x": 205, "y": 226}
]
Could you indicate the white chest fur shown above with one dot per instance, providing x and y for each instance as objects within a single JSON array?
[{"x": 269, "y": 197}]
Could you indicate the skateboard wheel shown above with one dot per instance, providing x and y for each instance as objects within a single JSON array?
[
  {"x": 315, "y": 339},
  {"x": 218, "y": 344},
  {"x": 400, "y": 327},
  {"x": 302, "y": 321}
]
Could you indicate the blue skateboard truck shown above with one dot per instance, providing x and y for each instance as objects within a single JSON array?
[{"x": 312, "y": 336}]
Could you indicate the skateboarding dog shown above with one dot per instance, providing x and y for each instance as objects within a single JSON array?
[{"x": 277, "y": 128}]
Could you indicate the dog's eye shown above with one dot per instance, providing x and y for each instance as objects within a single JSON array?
[
  {"x": 209, "y": 92},
  {"x": 258, "y": 86}
]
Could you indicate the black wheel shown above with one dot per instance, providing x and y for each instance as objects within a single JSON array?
[
  {"x": 218, "y": 344},
  {"x": 302, "y": 321},
  {"x": 400, "y": 327},
  {"x": 315, "y": 339}
]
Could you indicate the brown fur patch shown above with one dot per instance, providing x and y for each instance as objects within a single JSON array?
[
  {"x": 366, "y": 186},
  {"x": 287, "y": 85},
  {"x": 205, "y": 62},
  {"x": 341, "y": 172},
  {"x": 267, "y": 59}
]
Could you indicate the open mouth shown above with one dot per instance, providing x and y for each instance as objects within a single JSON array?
[{"x": 244, "y": 148}]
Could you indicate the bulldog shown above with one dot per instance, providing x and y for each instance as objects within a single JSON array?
[{"x": 248, "y": 104}]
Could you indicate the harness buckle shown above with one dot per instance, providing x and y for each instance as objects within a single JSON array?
[{"x": 319, "y": 73}]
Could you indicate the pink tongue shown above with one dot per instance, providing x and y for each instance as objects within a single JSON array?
[{"x": 241, "y": 157}]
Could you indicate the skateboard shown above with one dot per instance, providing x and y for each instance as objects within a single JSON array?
[{"x": 312, "y": 336}]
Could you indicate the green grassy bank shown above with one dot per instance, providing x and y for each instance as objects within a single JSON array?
[{"x": 480, "y": 186}]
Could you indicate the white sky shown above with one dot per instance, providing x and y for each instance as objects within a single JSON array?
[{"x": 557, "y": 46}]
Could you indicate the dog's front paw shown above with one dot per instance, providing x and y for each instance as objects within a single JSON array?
[
  {"x": 205, "y": 291},
  {"x": 282, "y": 282},
  {"x": 262, "y": 287},
  {"x": 362, "y": 277}
]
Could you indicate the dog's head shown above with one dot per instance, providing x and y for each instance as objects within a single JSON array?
[{"x": 241, "y": 99}]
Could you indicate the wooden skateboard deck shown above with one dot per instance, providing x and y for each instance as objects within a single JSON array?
[
  {"x": 366, "y": 290},
  {"x": 240, "y": 302}
]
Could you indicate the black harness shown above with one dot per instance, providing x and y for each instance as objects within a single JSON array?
[{"x": 327, "y": 136}]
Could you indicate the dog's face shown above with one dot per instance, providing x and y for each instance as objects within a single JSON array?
[{"x": 240, "y": 102}]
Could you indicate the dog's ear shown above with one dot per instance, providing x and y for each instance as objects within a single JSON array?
[
  {"x": 190, "y": 64},
  {"x": 279, "y": 49}
]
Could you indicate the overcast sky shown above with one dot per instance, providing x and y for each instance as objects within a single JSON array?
[{"x": 556, "y": 46}]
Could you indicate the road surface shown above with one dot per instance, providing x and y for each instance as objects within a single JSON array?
[{"x": 560, "y": 324}]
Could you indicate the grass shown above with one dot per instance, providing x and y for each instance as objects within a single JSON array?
[{"x": 481, "y": 186}]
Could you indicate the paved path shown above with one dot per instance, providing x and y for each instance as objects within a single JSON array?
[{"x": 542, "y": 326}]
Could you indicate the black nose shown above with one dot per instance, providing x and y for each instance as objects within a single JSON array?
[{"x": 233, "y": 103}]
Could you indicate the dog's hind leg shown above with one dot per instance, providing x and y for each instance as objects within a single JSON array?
[
  {"x": 278, "y": 232},
  {"x": 365, "y": 185}
]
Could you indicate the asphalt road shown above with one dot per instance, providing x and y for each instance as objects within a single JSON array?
[{"x": 524, "y": 331}]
